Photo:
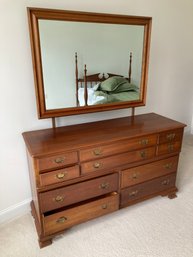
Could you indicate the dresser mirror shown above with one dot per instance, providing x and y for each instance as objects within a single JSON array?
[{"x": 88, "y": 62}]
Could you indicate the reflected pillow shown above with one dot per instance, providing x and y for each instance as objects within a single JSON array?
[
  {"x": 112, "y": 83},
  {"x": 125, "y": 87},
  {"x": 117, "y": 84}
]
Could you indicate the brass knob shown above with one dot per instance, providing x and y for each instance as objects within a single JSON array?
[
  {"x": 134, "y": 175},
  {"x": 59, "y": 160},
  {"x": 61, "y": 175},
  {"x": 97, "y": 165},
  {"x": 97, "y": 152},
  {"x": 166, "y": 182},
  {"x": 61, "y": 220},
  {"x": 144, "y": 141},
  {"x": 104, "y": 186},
  {"x": 58, "y": 198},
  {"x": 170, "y": 136},
  {"x": 133, "y": 193},
  {"x": 104, "y": 206},
  {"x": 143, "y": 154},
  {"x": 168, "y": 166}
]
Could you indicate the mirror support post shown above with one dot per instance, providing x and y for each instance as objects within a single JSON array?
[
  {"x": 133, "y": 112},
  {"x": 53, "y": 122}
]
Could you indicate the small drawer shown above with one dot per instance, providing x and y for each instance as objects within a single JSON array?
[
  {"x": 171, "y": 136},
  {"x": 148, "y": 171},
  {"x": 117, "y": 160},
  {"x": 68, "y": 195},
  {"x": 60, "y": 175},
  {"x": 116, "y": 148},
  {"x": 137, "y": 192},
  {"x": 169, "y": 148},
  {"x": 68, "y": 218},
  {"x": 56, "y": 161}
]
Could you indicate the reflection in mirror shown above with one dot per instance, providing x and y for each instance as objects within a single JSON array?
[
  {"x": 106, "y": 69},
  {"x": 88, "y": 62}
]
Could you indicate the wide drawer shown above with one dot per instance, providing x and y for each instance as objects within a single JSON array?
[
  {"x": 148, "y": 171},
  {"x": 68, "y": 218},
  {"x": 148, "y": 188},
  {"x": 57, "y": 161},
  {"x": 170, "y": 136},
  {"x": 78, "y": 192},
  {"x": 116, "y": 148},
  {"x": 60, "y": 175},
  {"x": 169, "y": 148},
  {"x": 117, "y": 160}
]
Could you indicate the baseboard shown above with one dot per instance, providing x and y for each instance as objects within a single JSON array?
[{"x": 15, "y": 211}]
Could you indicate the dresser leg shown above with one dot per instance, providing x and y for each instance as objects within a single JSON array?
[
  {"x": 45, "y": 243},
  {"x": 172, "y": 195}
]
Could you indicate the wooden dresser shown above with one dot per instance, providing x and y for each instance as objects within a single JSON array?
[{"x": 81, "y": 172}]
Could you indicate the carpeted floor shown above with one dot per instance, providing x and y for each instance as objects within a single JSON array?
[{"x": 158, "y": 227}]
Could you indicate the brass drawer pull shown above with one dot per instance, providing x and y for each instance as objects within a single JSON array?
[
  {"x": 61, "y": 175},
  {"x": 104, "y": 186},
  {"x": 104, "y": 206},
  {"x": 166, "y": 182},
  {"x": 58, "y": 199},
  {"x": 143, "y": 154},
  {"x": 144, "y": 141},
  {"x": 97, "y": 152},
  {"x": 170, "y": 148},
  {"x": 168, "y": 166},
  {"x": 61, "y": 220},
  {"x": 170, "y": 136},
  {"x": 59, "y": 160},
  {"x": 97, "y": 165},
  {"x": 135, "y": 175},
  {"x": 133, "y": 193}
]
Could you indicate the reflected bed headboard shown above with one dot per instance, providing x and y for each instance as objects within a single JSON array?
[{"x": 93, "y": 79}]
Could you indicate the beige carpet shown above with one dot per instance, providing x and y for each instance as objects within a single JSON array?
[{"x": 156, "y": 228}]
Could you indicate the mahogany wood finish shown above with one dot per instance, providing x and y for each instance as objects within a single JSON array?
[
  {"x": 135, "y": 192},
  {"x": 83, "y": 171},
  {"x": 35, "y": 14},
  {"x": 72, "y": 216}
]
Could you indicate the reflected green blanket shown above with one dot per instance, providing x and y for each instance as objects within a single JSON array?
[
  {"x": 116, "y": 89},
  {"x": 117, "y": 97}
]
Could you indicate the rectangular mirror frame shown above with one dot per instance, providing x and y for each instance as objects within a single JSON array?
[{"x": 34, "y": 14}]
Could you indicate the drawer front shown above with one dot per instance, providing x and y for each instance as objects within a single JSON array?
[
  {"x": 171, "y": 136},
  {"x": 136, "y": 192},
  {"x": 116, "y": 148},
  {"x": 56, "y": 161},
  {"x": 58, "y": 198},
  {"x": 60, "y": 175},
  {"x": 169, "y": 148},
  {"x": 149, "y": 171},
  {"x": 82, "y": 213},
  {"x": 117, "y": 160}
]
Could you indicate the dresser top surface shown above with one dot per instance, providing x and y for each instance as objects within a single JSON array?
[{"x": 48, "y": 141}]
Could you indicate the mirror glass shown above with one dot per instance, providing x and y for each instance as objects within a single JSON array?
[
  {"x": 104, "y": 48},
  {"x": 88, "y": 62}
]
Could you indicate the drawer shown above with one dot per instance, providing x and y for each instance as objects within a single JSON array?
[
  {"x": 116, "y": 148},
  {"x": 169, "y": 148},
  {"x": 170, "y": 136},
  {"x": 60, "y": 175},
  {"x": 56, "y": 161},
  {"x": 68, "y": 195},
  {"x": 148, "y": 171},
  {"x": 68, "y": 218},
  {"x": 117, "y": 160},
  {"x": 148, "y": 188}
]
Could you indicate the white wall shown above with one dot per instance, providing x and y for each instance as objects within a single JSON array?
[{"x": 170, "y": 90}]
